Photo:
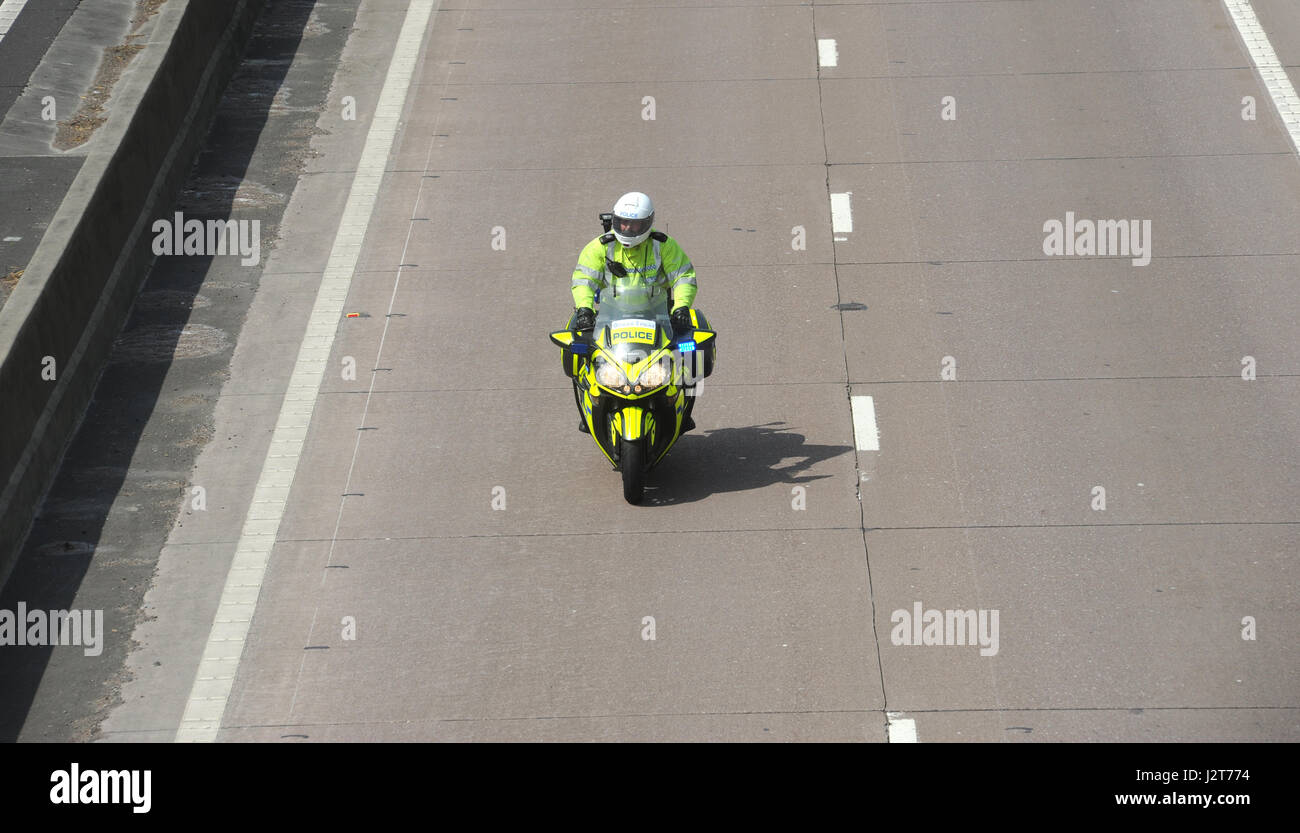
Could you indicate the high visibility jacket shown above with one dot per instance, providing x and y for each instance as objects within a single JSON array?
[{"x": 651, "y": 262}]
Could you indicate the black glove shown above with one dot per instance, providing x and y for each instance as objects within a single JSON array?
[
  {"x": 584, "y": 319},
  {"x": 682, "y": 321}
]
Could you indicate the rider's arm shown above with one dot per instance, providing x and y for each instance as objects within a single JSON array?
[
  {"x": 589, "y": 274},
  {"x": 680, "y": 273}
]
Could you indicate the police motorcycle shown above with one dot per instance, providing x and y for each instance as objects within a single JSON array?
[{"x": 633, "y": 375}]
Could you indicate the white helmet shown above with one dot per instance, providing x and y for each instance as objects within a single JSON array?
[{"x": 634, "y": 215}]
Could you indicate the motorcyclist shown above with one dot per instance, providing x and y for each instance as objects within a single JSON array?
[{"x": 637, "y": 255}]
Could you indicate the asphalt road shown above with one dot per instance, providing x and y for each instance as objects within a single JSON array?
[
  {"x": 25, "y": 43},
  {"x": 1067, "y": 445},
  {"x": 49, "y": 61}
]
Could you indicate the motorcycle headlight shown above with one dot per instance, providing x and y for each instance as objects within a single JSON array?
[
  {"x": 609, "y": 374},
  {"x": 654, "y": 375}
]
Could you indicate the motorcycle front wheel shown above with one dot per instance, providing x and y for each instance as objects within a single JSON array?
[{"x": 631, "y": 460}]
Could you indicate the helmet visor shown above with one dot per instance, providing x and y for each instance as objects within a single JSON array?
[{"x": 632, "y": 227}]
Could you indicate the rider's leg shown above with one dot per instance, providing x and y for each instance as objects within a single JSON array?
[
  {"x": 577, "y": 390},
  {"x": 687, "y": 422},
  {"x": 582, "y": 417}
]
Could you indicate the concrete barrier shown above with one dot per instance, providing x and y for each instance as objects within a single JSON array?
[{"x": 59, "y": 324}]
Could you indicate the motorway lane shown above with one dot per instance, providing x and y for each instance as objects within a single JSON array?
[
  {"x": 528, "y": 622},
  {"x": 1116, "y": 376},
  {"x": 773, "y": 622}
]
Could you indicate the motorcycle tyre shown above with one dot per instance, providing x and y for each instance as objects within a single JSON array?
[{"x": 631, "y": 460}]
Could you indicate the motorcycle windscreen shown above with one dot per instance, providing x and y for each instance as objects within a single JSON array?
[
  {"x": 637, "y": 303},
  {"x": 632, "y": 300}
]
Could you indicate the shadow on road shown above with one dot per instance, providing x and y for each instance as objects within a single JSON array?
[{"x": 736, "y": 460}]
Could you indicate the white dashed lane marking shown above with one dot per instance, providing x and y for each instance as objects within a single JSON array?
[
  {"x": 865, "y": 432},
  {"x": 842, "y": 213},
  {"x": 827, "y": 53},
  {"x": 901, "y": 729}
]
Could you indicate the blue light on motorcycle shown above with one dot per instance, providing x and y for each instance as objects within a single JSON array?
[
  {"x": 580, "y": 348},
  {"x": 687, "y": 346}
]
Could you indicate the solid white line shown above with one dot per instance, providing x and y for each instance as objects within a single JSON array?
[
  {"x": 864, "y": 423},
  {"x": 225, "y": 646},
  {"x": 1266, "y": 63},
  {"x": 841, "y": 213},
  {"x": 901, "y": 729},
  {"x": 9, "y": 10},
  {"x": 827, "y": 54}
]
